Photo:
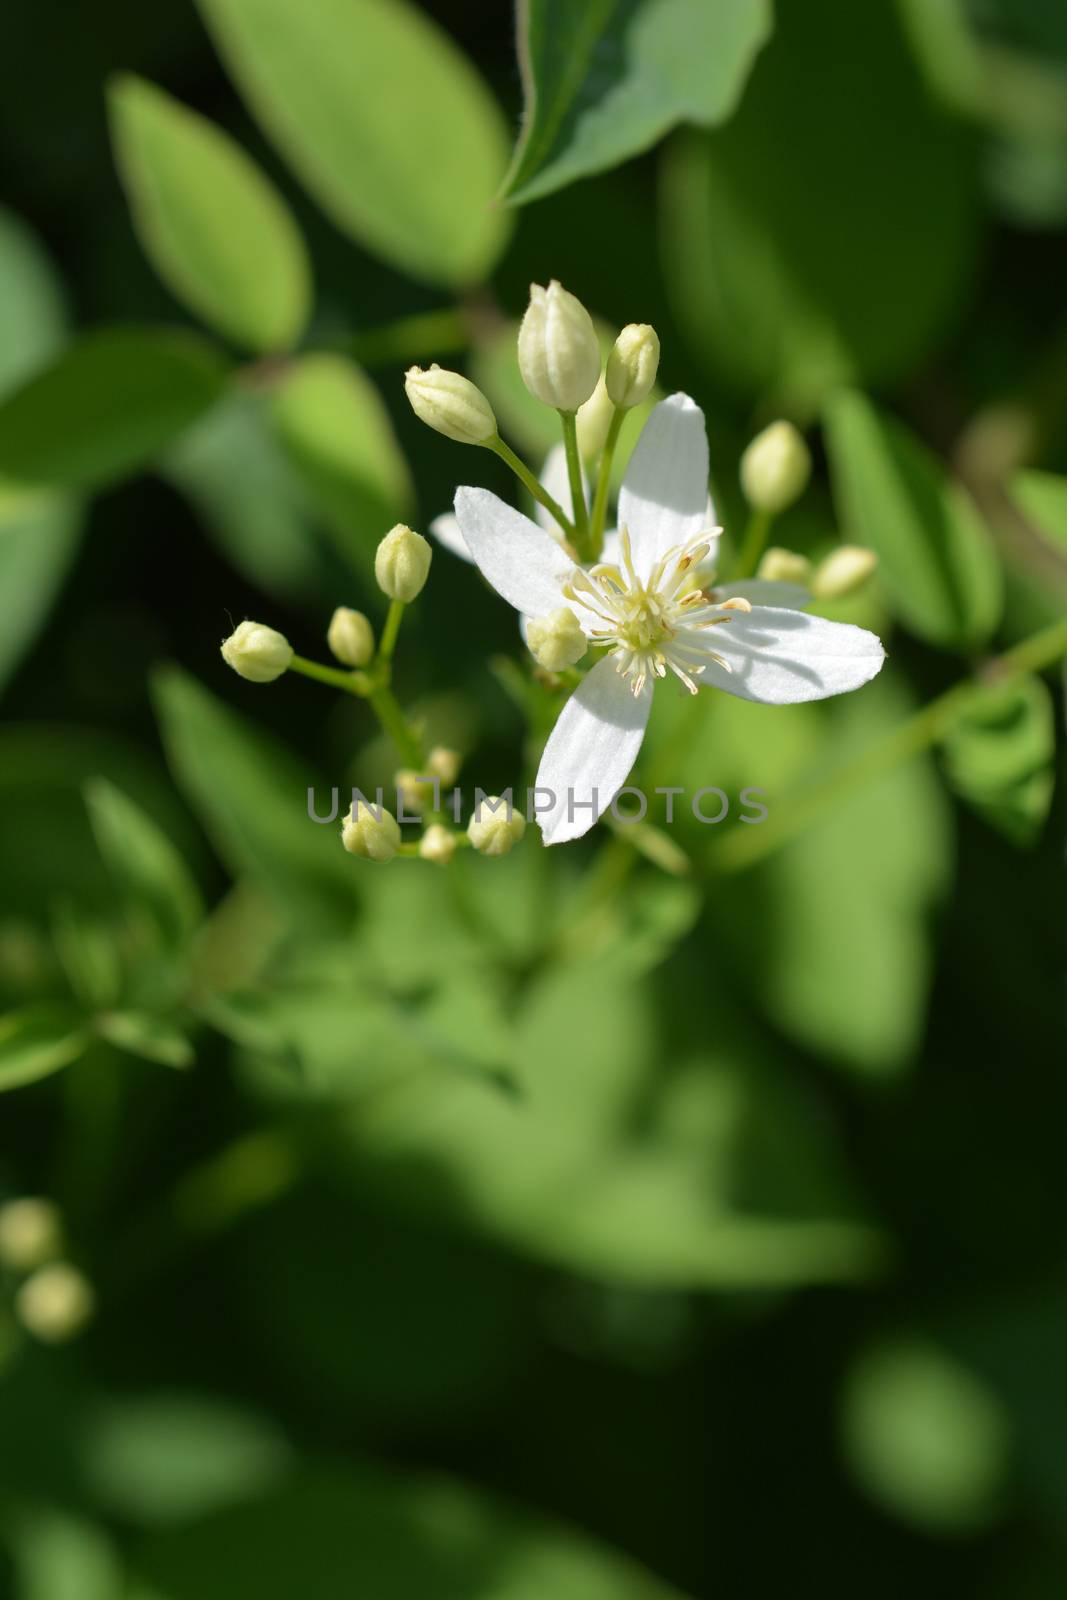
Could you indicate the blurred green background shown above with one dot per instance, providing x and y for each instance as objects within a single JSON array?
[{"x": 559, "y": 1225}]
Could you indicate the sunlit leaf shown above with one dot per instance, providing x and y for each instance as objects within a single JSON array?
[
  {"x": 32, "y": 313},
  {"x": 107, "y": 406},
  {"x": 163, "y": 1458},
  {"x": 151, "y": 1038},
  {"x": 925, "y": 1436},
  {"x": 605, "y": 81},
  {"x": 331, "y": 420},
  {"x": 61, "y": 1557},
  {"x": 822, "y": 236},
  {"x": 935, "y": 553},
  {"x": 37, "y": 546},
  {"x": 1043, "y": 497},
  {"x": 36, "y": 1042},
  {"x": 383, "y": 118},
  {"x": 213, "y": 225}
]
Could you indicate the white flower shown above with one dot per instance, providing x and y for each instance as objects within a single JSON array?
[{"x": 651, "y": 609}]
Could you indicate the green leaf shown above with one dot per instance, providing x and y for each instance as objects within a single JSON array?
[
  {"x": 822, "y": 236},
  {"x": 32, "y": 313},
  {"x": 214, "y": 227},
  {"x": 604, "y": 81},
  {"x": 150, "y": 1038},
  {"x": 361, "y": 1533},
  {"x": 337, "y": 432},
  {"x": 60, "y": 1557},
  {"x": 936, "y": 556},
  {"x": 251, "y": 794},
  {"x": 143, "y": 861},
  {"x": 1000, "y": 757},
  {"x": 251, "y": 501},
  {"x": 39, "y": 532},
  {"x": 36, "y": 1042},
  {"x": 107, "y": 406},
  {"x": 1043, "y": 497},
  {"x": 384, "y": 120},
  {"x": 37, "y": 546},
  {"x": 165, "y": 1458},
  {"x": 925, "y": 1436}
]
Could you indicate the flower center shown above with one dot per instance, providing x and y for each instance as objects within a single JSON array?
[{"x": 655, "y": 623}]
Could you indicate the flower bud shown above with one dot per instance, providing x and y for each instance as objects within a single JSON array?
[
  {"x": 257, "y": 653},
  {"x": 844, "y": 570},
  {"x": 556, "y": 641},
  {"x": 414, "y": 790},
  {"x": 401, "y": 563},
  {"x": 495, "y": 826},
  {"x": 438, "y": 844},
  {"x": 632, "y": 365},
  {"x": 784, "y": 566},
  {"x": 450, "y": 403},
  {"x": 559, "y": 356},
  {"x": 371, "y": 832},
  {"x": 56, "y": 1303},
  {"x": 350, "y": 637},
  {"x": 775, "y": 468},
  {"x": 31, "y": 1233},
  {"x": 593, "y": 421},
  {"x": 443, "y": 763}
]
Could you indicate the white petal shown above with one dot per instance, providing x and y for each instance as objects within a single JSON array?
[
  {"x": 780, "y": 657},
  {"x": 664, "y": 496},
  {"x": 767, "y": 592},
  {"x": 445, "y": 530},
  {"x": 520, "y": 560},
  {"x": 612, "y": 551},
  {"x": 556, "y": 479},
  {"x": 590, "y": 751}
]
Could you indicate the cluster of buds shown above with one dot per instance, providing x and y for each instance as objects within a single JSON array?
[{"x": 53, "y": 1300}]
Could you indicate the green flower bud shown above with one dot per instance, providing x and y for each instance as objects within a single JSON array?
[
  {"x": 55, "y": 1304},
  {"x": 402, "y": 563},
  {"x": 450, "y": 403},
  {"x": 556, "y": 641},
  {"x": 844, "y": 570},
  {"x": 632, "y": 365},
  {"x": 559, "y": 356},
  {"x": 257, "y": 653},
  {"x": 784, "y": 566},
  {"x": 438, "y": 844},
  {"x": 495, "y": 827},
  {"x": 31, "y": 1233},
  {"x": 775, "y": 468},
  {"x": 413, "y": 789},
  {"x": 350, "y": 637},
  {"x": 371, "y": 832},
  {"x": 593, "y": 421}
]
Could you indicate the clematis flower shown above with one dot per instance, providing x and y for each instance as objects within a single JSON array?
[{"x": 650, "y": 608}]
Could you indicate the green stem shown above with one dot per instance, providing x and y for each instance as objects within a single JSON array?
[
  {"x": 530, "y": 482},
  {"x": 387, "y": 709},
  {"x": 574, "y": 474},
  {"x": 350, "y": 682},
  {"x": 390, "y": 631},
  {"x": 411, "y": 338},
  {"x": 603, "y": 484},
  {"x": 754, "y": 544},
  {"x": 744, "y": 847}
]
